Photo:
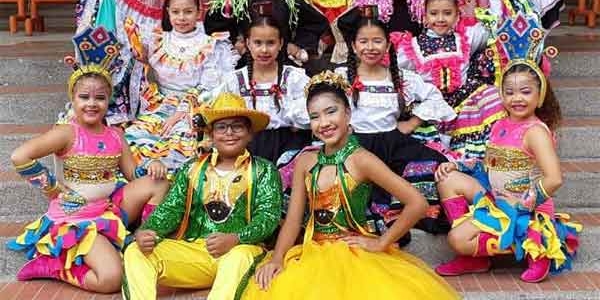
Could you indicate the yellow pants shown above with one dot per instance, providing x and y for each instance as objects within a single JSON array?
[{"x": 182, "y": 264}]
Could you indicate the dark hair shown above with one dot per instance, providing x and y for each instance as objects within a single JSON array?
[
  {"x": 269, "y": 22},
  {"x": 166, "y": 22},
  {"x": 352, "y": 62},
  {"x": 92, "y": 76},
  {"x": 323, "y": 88},
  {"x": 429, "y": 1},
  {"x": 549, "y": 113}
]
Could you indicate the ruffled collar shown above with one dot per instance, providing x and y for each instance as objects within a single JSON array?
[
  {"x": 188, "y": 35},
  {"x": 432, "y": 34}
]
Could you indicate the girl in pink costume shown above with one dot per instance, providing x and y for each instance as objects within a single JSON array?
[
  {"x": 448, "y": 54},
  {"x": 78, "y": 240},
  {"x": 512, "y": 209}
]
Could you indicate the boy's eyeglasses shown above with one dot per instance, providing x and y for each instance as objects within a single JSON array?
[{"x": 222, "y": 128}]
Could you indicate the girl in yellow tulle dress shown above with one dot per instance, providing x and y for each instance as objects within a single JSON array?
[{"x": 339, "y": 259}]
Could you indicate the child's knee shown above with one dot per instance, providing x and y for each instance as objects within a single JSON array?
[
  {"x": 457, "y": 240},
  {"x": 109, "y": 280}
]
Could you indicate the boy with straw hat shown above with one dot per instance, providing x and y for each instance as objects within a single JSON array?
[{"x": 221, "y": 205}]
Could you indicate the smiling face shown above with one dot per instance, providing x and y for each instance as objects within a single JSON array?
[
  {"x": 231, "y": 136},
  {"x": 520, "y": 95},
  {"x": 441, "y": 15},
  {"x": 90, "y": 101},
  {"x": 264, "y": 43},
  {"x": 370, "y": 44},
  {"x": 329, "y": 119},
  {"x": 183, "y": 15}
]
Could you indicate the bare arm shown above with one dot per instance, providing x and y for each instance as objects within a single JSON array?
[
  {"x": 291, "y": 226},
  {"x": 54, "y": 141},
  {"x": 294, "y": 217},
  {"x": 127, "y": 163},
  {"x": 540, "y": 144},
  {"x": 375, "y": 171}
]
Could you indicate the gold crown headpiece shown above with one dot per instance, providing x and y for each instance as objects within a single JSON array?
[
  {"x": 520, "y": 41},
  {"x": 329, "y": 78},
  {"x": 96, "y": 50}
]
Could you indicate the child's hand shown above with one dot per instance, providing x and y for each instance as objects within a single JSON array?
[
  {"x": 218, "y": 243},
  {"x": 157, "y": 170},
  {"x": 443, "y": 170},
  {"x": 171, "y": 121},
  {"x": 266, "y": 273},
  {"x": 406, "y": 127},
  {"x": 146, "y": 240},
  {"x": 368, "y": 243}
]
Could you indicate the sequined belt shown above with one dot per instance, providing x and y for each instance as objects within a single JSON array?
[{"x": 89, "y": 176}]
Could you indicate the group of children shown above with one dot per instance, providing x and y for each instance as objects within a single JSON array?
[{"x": 452, "y": 127}]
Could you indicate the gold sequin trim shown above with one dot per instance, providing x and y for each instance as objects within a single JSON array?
[
  {"x": 91, "y": 169},
  {"x": 504, "y": 159}
]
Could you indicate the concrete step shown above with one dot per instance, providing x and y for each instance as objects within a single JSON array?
[
  {"x": 32, "y": 104},
  {"x": 577, "y": 96},
  {"x": 34, "y": 71},
  {"x": 583, "y": 280},
  {"x": 579, "y": 138}
]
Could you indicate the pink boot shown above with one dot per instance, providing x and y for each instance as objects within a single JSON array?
[
  {"x": 537, "y": 270},
  {"x": 147, "y": 211},
  {"x": 464, "y": 265},
  {"x": 455, "y": 207},
  {"x": 40, "y": 267},
  {"x": 478, "y": 263}
]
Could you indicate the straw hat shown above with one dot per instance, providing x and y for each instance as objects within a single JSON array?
[{"x": 229, "y": 105}]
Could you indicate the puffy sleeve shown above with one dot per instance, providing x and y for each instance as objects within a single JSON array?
[
  {"x": 220, "y": 62},
  {"x": 477, "y": 34},
  {"x": 405, "y": 52},
  {"x": 296, "y": 112},
  {"x": 427, "y": 101},
  {"x": 228, "y": 84},
  {"x": 342, "y": 71}
]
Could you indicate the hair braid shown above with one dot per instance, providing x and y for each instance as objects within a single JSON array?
[
  {"x": 352, "y": 65},
  {"x": 396, "y": 78},
  {"x": 250, "y": 68}
]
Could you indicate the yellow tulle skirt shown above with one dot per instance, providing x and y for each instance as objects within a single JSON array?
[{"x": 333, "y": 270}]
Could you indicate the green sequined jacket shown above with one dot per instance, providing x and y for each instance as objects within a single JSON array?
[{"x": 265, "y": 210}]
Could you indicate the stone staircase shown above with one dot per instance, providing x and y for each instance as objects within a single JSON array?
[{"x": 33, "y": 91}]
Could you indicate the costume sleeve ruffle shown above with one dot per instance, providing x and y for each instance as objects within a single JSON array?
[
  {"x": 477, "y": 34},
  {"x": 429, "y": 104},
  {"x": 220, "y": 62},
  {"x": 296, "y": 111},
  {"x": 406, "y": 55}
]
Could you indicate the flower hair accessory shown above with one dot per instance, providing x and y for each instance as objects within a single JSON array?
[
  {"x": 520, "y": 41},
  {"x": 329, "y": 78},
  {"x": 96, "y": 50}
]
